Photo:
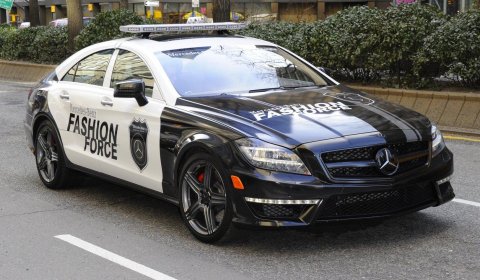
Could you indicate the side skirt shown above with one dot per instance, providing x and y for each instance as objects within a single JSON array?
[{"x": 124, "y": 183}]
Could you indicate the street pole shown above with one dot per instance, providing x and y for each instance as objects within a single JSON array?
[
  {"x": 221, "y": 10},
  {"x": 7, "y": 13},
  {"x": 195, "y": 4}
]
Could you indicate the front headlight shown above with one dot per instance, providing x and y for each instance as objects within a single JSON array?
[
  {"x": 272, "y": 157},
  {"x": 437, "y": 141}
]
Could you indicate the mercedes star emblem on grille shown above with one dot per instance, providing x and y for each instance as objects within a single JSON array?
[{"x": 386, "y": 162}]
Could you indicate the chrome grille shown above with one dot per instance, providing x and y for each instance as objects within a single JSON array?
[{"x": 360, "y": 162}]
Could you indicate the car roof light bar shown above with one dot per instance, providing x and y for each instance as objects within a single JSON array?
[{"x": 186, "y": 27}]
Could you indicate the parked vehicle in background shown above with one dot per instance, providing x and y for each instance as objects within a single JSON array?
[
  {"x": 64, "y": 22},
  {"x": 24, "y": 24},
  {"x": 196, "y": 20}
]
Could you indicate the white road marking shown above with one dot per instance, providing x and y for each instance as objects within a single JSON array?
[
  {"x": 114, "y": 257},
  {"x": 473, "y": 203}
]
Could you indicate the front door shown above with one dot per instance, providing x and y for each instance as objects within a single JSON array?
[{"x": 138, "y": 136}]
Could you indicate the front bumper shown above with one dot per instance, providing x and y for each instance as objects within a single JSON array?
[{"x": 279, "y": 199}]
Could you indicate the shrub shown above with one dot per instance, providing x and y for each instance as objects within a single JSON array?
[
  {"x": 455, "y": 48},
  {"x": 16, "y": 44},
  {"x": 402, "y": 37},
  {"x": 106, "y": 26},
  {"x": 6, "y": 35},
  {"x": 285, "y": 34},
  {"x": 360, "y": 43},
  {"x": 37, "y": 44},
  {"x": 50, "y": 45},
  {"x": 349, "y": 42}
]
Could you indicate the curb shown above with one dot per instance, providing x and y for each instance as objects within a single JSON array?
[
  {"x": 23, "y": 71},
  {"x": 452, "y": 111}
]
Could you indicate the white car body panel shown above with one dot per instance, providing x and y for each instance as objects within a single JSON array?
[{"x": 124, "y": 111}]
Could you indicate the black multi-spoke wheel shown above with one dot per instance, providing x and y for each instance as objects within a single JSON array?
[
  {"x": 49, "y": 157},
  {"x": 205, "y": 204}
]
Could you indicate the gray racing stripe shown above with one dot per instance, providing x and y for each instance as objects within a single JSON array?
[{"x": 410, "y": 132}]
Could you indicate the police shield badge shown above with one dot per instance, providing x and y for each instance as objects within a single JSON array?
[{"x": 138, "y": 142}]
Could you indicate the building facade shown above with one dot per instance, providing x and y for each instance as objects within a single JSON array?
[{"x": 175, "y": 11}]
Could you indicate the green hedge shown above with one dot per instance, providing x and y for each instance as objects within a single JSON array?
[
  {"x": 403, "y": 46},
  {"x": 454, "y": 50},
  {"x": 49, "y": 45},
  {"x": 37, "y": 44}
]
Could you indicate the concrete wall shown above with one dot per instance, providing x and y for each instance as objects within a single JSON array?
[
  {"x": 456, "y": 112},
  {"x": 23, "y": 71}
]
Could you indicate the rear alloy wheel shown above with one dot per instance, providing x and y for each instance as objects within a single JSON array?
[
  {"x": 205, "y": 205},
  {"x": 49, "y": 157}
]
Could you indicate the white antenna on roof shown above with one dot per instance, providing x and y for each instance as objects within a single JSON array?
[{"x": 188, "y": 27}]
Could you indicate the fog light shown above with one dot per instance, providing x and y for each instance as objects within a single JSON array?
[
  {"x": 444, "y": 180},
  {"x": 282, "y": 201}
]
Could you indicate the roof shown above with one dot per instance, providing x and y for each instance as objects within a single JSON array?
[{"x": 186, "y": 41}]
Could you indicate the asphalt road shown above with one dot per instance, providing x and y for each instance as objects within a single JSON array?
[{"x": 437, "y": 243}]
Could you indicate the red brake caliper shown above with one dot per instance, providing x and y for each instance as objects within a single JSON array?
[{"x": 200, "y": 177}]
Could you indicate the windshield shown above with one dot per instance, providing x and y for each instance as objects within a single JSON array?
[{"x": 227, "y": 69}]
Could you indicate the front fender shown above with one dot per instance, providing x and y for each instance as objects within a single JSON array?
[{"x": 182, "y": 134}]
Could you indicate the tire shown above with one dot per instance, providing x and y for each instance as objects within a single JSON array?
[
  {"x": 49, "y": 157},
  {"x": 205, "y": 198}
]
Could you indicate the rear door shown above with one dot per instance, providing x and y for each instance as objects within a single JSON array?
[{"x": 77, "y": 106}]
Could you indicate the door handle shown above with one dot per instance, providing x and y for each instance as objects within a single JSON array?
[
  {"x": 65, "y": 96},
  {"x": 107, "y": 102}
]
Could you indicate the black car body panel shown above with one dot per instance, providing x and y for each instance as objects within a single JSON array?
[
  {"x": 294, "y": 117},
  {"x": 288, "y": 118}
]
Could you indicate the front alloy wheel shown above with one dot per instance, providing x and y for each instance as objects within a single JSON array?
[{"x": 205, "y": 207}]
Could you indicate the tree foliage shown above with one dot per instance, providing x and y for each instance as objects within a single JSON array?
[{"x": 106, "y": 26}]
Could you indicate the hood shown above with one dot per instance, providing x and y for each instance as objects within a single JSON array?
[{"x": 302, "y": 116}]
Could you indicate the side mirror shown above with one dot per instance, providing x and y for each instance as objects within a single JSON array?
[{"x": 134, "y": 88}]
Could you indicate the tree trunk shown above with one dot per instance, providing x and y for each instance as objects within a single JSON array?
[
  {"x": 33, "y": 13},
  {"x": 221, "y": 10},
  {"x": 124, "y": 4},
  {"x": 75, "y": 21}
]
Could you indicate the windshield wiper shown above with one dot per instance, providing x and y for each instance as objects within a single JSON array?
[
  {"x": 265, "y": 89},
  {"x": 283, "y": 88}
]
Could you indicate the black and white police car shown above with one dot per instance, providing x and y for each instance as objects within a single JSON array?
[{"x": 233, "y": 130}]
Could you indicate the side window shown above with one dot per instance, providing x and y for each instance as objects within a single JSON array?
[
  {"x": 70, "y": 74},
  {"x": 91, "y": 70},
  {"x": 129, "y": 66}
]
